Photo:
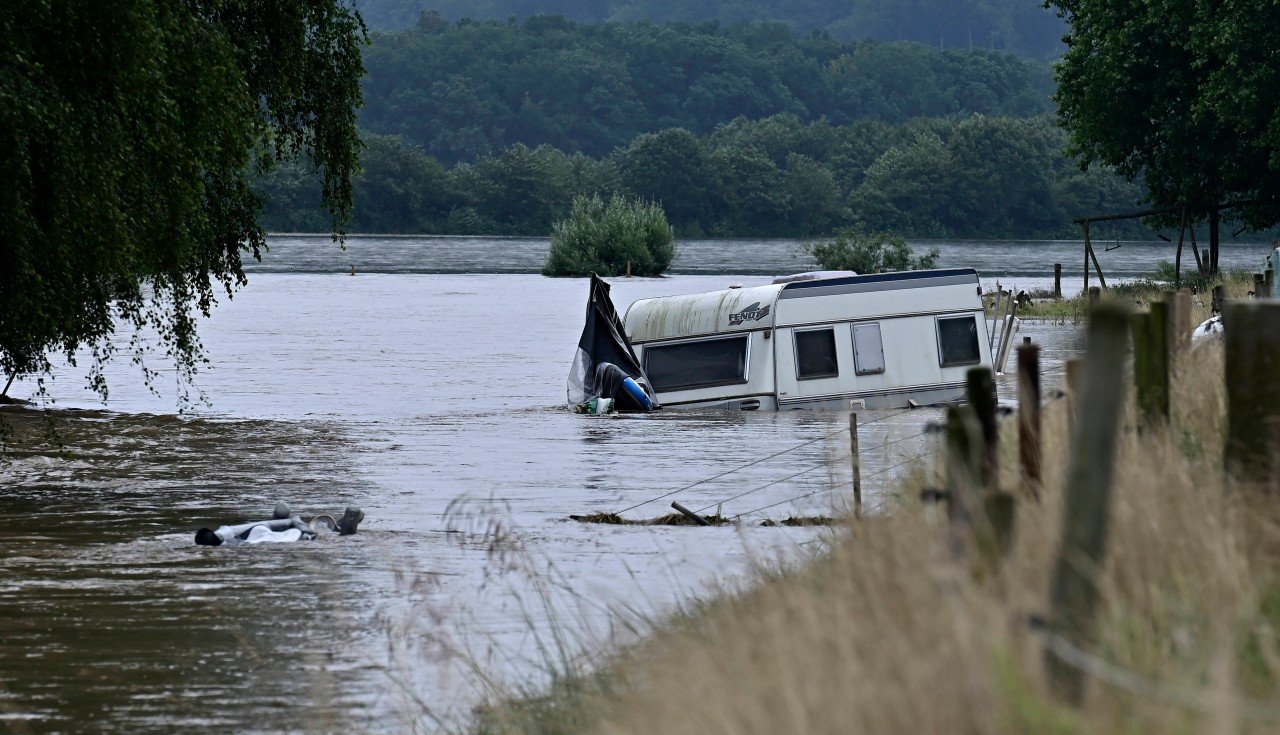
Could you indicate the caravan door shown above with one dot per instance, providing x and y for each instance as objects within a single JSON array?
[{"x": 815, "y": 365}]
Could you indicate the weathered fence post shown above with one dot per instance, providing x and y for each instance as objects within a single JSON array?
[
  {"x": 992, "y": 530},
  {"x": 1151, "y": 362},
  {"x": 1182, "y": 321},
  {"x": 1269, "y": 283},
  {"x": 1252, "y": 352},
  {"x": 1259, "y": 283},
  {"x": 1057, "y": 280},
  {"x": 1170, "y": 299},
  {"x": 1085, "y": 227},
  {"x": 1219, "y": 296},
  {"x": 1075, "y": 380},
  {"x": 1074, "y": 590},
  {"x": 1029, "y": 452},
  {"x": 1095, "y": 295},
  {"x": 964, "y": 468},
  {"x": 690, "y": 514},
  {"x": 981, "y": 394},
  {"x": 857, "y": 470}
]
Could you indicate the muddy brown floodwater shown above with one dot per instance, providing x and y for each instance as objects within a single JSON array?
[{"x": 432, "y": 399}]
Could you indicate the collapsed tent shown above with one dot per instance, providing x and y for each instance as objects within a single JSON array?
[{"x": 605, "y": 367}]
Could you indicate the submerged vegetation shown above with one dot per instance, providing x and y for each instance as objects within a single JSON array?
[
  {"x": 869, "y": 252},
  {"x": 886, "y": 631},
  {"x": 623, "y": 236}
]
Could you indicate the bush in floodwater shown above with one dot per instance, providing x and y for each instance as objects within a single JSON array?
[
  {"x": 869, "y": 252},
  {"x": 610, "y": 238}
]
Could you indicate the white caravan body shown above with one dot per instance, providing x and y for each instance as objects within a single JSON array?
[{"x": 887, "y": 340}]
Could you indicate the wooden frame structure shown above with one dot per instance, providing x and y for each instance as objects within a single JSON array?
[{"x": 1208, "y": 265}]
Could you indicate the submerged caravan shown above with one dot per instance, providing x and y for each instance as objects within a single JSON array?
[{"x": 824, "y": 340}]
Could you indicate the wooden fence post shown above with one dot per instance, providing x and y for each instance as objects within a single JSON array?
[
  {"x": 1057, "y": 280},
  {"x": 1074, "y": 592},
  {"x": 1151, "y": 362},
  {"x": 1029, "y": 451},
  {"x": 1269, "y": 283},
  {"x": 964, "y": 462},
  {"x": 1219, "y": 296},
  {"x": 1085, "y": 227},
  {"x": 992, "y": 528},
  {"x": 1182, "y": 322},
  {"x": 690, "y": 514},
  {"x": 1259, "y": 284},
  {"x": 1170, "y": 300},
  {"x": 1095, "y": 295},
  {"x": 1252, "y": 353},
  {"x": 981, "y": 394},
  {"x": 857, "y": 470},
  {"x": 1075, "y": 381}
]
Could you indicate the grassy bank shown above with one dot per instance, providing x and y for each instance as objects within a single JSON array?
[
  {"x": 1137, "y": 293},
  {"x": 885, "y": 632}
]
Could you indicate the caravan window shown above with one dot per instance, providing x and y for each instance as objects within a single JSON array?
[
  {"x": 958, "y": 340},
  {"x": 816, "y": 354},
  {"x": 700, "y": 364},
  {"x": 868, "y": 349}
]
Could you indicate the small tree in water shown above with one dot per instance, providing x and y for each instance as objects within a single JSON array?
[
  {"x": 610, "y": 238},
  {"x": 869, "y": 252}
]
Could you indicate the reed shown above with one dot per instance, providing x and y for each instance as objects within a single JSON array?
[{"x": 885, "y": 631}]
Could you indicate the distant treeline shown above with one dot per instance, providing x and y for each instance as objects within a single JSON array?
[
  {"x": 970, "y": 176},
  {"x": 463, "y": 91},
  {"x": 1022, "y": 27}
]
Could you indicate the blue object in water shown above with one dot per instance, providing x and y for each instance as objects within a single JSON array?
[{"x": 638, "y": 393}]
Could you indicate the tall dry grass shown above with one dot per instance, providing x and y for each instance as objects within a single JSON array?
[{"x": 886, "y": 632}]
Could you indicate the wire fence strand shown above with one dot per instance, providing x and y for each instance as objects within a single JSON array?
[
  {"x": 825, "y": 464},
  {"x": 758, "y": 461}
]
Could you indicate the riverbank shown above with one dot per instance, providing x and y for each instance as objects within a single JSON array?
[
  {"x": 1137, "y": 293},
  {"x": 883, "y": 631}
]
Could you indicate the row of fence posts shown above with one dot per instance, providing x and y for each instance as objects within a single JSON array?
[
  {"x": 981, "y": 516},
  {"x": 1264, "y": 283}
]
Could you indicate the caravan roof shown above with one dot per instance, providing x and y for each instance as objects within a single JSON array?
[
  {"x": 746, "y": 309},
  {"x": 712, "y": 312}
]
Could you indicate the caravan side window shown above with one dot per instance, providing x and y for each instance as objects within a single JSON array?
[
  {"x": 816, "y": 354},
  {"x": 868, "y": 349},
  {"x": 700, "y": 364},
  {"x": 958, "y": 341}
]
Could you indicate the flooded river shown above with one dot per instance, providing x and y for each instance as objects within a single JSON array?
[{"x": 428, "y": 389}]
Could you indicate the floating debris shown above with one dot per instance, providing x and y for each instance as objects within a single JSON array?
[{"x": 679, "y": 519}]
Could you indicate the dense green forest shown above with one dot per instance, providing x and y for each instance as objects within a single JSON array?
[
  {"x": 494, "y": 127},
  {"x": 466, "y": 90},
  {"x": 1018, "y": 26},
  {"x": 956, "y": 176}
]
